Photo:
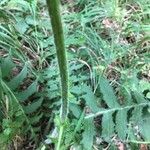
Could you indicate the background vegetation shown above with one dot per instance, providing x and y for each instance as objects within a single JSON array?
[{"x": 107, "y": 43}]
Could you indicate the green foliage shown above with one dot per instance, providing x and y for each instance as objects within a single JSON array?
[
  {"x": 107, "y": 43},
  {"x": 121, "y": 124},
  {"x": 16, "y": 112},
  {"x": 55, "y": 16},
  {"x": 108, "y": 94},
  {"x": 88, "y": 134},
  {"x": 118, "y": 118},
  {"x": 107, "y": 126}
]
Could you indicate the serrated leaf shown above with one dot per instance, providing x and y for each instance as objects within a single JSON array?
[
  {"x": 107, "y": 126},
  {"x": 121, "y": 123},
  {"x": 127, "y": 96},
  {"x": 75, "y": 110},
  {"x": 139, "y": 97},
  {"x": 33, "y": 106},
  {"x": 36, "y": 118},
  {"x": 108, "y": 93},
  {"x": 90, "y": 99},
  {"x": 88, "y": 134},
  {"x": 17, "y": 80},
  {"x": 131, "y": 133},
  {"x": 136, "y": 114},
  {"x": 145, "y": 128},
  {"x": 78, "y": 90},
  {"x": 22, "y": 96},
  {"x": 79, "y": 123},
  {"x": 75, "y": 67}
]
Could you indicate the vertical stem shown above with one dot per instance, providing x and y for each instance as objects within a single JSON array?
[
  {"x": 54, "y": 12},
  {"x": 60, "y": 137}
]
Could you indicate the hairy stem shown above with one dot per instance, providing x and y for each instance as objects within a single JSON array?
[{"x": 54, "y": 12}]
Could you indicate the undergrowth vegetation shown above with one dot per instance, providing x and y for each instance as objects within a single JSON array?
[{"x": 108, "y": 52}]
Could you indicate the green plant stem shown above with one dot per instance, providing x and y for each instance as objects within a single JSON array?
[
  {"x": 116, "y": 109},
  {"x": 54, "y": 12},
  {"x": 60, "y": 137}
]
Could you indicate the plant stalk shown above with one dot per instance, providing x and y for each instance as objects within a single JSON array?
[{"x": 54, "y": 13}]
